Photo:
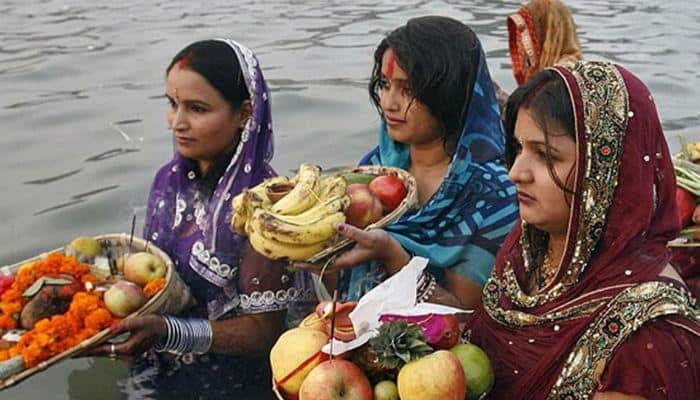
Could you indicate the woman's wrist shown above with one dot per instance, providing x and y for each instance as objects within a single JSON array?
[
  {"x": 396, "y": 257},
  {"x": 160, "y": 326}
]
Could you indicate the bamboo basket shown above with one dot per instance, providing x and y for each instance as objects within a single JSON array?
[
  {"x": 172, "y": 299},
  {"x": 408, "y": 203}
]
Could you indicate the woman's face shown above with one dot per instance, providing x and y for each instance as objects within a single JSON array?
[
  {"x": 203, "y": 122},
  {"x": 542, "y": 202},
  {"x": 408, "y": 120}
]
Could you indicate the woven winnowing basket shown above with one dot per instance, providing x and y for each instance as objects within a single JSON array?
[{"x": 173, "y": 298}]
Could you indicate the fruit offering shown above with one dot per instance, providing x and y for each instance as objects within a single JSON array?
[
  {"x": 55, "y": 302},
  {"x": 295, "y": 218},
  {"x": 687, "y": 169},
  {"x": 398, "y": 363},
  {"x": 51, "y": 300},
  {"x": 298, "y": 225}
]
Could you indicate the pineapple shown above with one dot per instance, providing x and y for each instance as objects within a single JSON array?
[{"x": 396, "y": 344}]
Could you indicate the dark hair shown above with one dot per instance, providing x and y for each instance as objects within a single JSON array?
[
  {"x": 217, "y": 63},
  {"x": 546, "y": 98},
  {"x": 440, "y": 56}
]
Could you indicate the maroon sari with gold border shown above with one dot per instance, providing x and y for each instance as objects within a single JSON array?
[{"x": 617, "y": 317}]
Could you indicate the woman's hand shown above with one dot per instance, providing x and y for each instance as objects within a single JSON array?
[
  {"x": 375, "y": 244},
  {"x": 144, "y": 332}
]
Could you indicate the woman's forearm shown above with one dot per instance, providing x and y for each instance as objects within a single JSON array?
[
  {"x": 252, "y": 334},
  {"x": 442, "y": 296}
]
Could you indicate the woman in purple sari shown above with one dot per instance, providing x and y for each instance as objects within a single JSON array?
[{"x": 219, "y": 113}]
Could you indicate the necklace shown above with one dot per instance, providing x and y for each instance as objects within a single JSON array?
[{"x": 546, "y": 272}]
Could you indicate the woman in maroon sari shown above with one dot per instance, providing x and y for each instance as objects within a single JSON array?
[{"x": 582, "y": 302}]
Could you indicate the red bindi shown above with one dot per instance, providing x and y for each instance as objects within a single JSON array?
[{"x": 390, "y": 63}]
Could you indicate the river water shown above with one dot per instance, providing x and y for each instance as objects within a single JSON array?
[{"x": 83, "y": 116}]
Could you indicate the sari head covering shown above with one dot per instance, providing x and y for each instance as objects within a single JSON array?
[
  {"x": 559, "y": 343},
  {"x": 193, "y": 228},
  {"x": 462, "y": 226},
  {"x": 541, "y": 34}
]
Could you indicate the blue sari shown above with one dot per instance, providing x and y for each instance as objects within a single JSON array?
[{"x": 461, "y": 228}]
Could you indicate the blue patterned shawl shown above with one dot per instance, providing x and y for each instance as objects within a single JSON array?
[{"x": 462, "y": 226}]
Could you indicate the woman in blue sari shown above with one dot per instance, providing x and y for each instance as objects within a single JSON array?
[{"x": 441, "y": 122}]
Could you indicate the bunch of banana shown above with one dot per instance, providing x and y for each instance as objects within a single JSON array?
[
  {"x": 248, "y": 200},
  {"x": 298, "y": 225},
  {"x": 694, "y": 151}
]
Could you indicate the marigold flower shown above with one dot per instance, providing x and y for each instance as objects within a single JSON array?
[{"x": 153, "y": 287}]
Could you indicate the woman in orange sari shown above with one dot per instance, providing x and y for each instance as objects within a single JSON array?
[
  {"x": 541, "y": 34},
  {"x": 583, "y": 303}
]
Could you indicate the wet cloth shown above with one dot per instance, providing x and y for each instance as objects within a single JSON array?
[
  {"x": 462, "y": 226},
  {"x": 616, "y": 317}
]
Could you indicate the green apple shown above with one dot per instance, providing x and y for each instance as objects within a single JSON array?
[
  {"x": 386, "y": 390},
  {"x": 84, "y": 248},
  {"x": 143, "y": 267},
  {"x": 123, "y": 298},
  {"x": 477, "y": 369}
]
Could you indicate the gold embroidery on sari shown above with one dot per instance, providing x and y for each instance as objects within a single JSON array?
[
  {"x": 520, "y": 319},
  {"x": 624, "y": 315}
]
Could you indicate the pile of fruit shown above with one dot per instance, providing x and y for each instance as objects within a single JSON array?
[
  {"x": 295, "y": 218},
  {"x": 686, "y": 165},
  {"x": 410, "y": 358},
  {"x": 53, "y": 304}
]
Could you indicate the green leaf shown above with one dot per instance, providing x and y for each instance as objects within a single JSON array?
[
  {"x": 404, "y": 356},
  {"x": 34, "y": 288},
  {"x": 44, "y": 280}
]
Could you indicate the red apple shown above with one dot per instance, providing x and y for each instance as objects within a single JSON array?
[
  {"x": 686, "y": 205},
  {"x": 364, "y": 208},
  {"x": 450, "y": 334},
  {"x": 436, "y": 376},
  {"x": 389, "y": 190},
  {"x": 142, "y": 268},
  {"x": 335, "y": 380},
  {"x": 123, "y": 298}
]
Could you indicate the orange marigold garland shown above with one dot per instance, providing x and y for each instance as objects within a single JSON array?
[
  {"x": 12, "y": 301},
  {"x": 86, "y": 315},
  {"x": 153, "y": 287}
]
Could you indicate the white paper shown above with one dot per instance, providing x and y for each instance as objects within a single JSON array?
[{"x": 396, "y": 295}]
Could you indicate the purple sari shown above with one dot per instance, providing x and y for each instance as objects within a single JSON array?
[
  {"x": 193, "y": 228},
  {"x": 190, "y": 221}
]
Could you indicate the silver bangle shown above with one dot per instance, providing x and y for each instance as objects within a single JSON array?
[{"x": 186, "y": 336}]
